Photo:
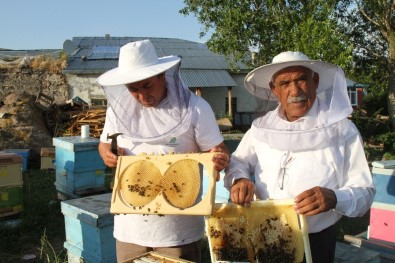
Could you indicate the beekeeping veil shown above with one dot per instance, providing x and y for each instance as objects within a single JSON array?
[
  {"x": 138, "y": 61},
  {"x": 312, "y": 131}
]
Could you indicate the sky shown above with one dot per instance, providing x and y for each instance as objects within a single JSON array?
[{"x": 46, "y": 24}]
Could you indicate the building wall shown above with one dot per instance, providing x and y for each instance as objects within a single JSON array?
[
  {"x": 246, "y": 102},
  {"x": 215, "y": 96},
  {"x": 85, "y": 87}
]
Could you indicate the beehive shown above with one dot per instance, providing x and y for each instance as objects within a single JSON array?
[
  {"x": 80, "y": 170},
  {"x": 164, "y": 184},
  {"x": 11, "y": 200},
  {"x": 47, "y": 158},
  {"x": 10, "y": 170},
  {"x": 24, "y": 153},
  {"x": 382, "y": 212},
  {"x": 267, "y": 231},
  {"x": 89, "y": 229}
]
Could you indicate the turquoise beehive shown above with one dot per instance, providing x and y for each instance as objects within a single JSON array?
[{"x": 79, "y": 168}]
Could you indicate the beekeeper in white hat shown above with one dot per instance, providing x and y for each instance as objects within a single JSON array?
[
  {"x": 306, "y": 149},
  {"x": 156, "y": 113}
]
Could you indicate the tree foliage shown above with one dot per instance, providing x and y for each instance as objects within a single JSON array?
[
  {"x": 372, "y": 28},
  {"x": 363, "y": 23},
  {"x": 357, "y": 35},
  {"x": 272, "y": 26}
]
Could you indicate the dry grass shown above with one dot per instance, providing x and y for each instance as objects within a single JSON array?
[
  {"x": 42, "y": 62},
  {"x": 53, "y": 65}
]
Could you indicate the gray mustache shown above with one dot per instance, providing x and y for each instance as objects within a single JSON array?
[{"x": 296, "y": 99}]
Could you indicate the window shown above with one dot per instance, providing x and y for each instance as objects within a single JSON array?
[
  {"x": 99, "y": 102},
  {"x": 353, "y": 95}
]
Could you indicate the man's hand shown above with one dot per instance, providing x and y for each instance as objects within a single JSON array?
[
  {"x": 221, "y": 159},
  {"x": 315, "y": 200},
  {"x": 242, "y": 192},
  {"x": 108, "y": 157}
]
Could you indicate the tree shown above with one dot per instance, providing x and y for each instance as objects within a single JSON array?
[
  {"x": 270, "y": 27},
  {"x": 370, "y": 25}
]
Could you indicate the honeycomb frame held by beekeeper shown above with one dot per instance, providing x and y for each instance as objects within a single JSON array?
[{"x": 156, "y": 113}]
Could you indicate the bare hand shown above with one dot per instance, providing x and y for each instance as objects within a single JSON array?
[
  {"x": 108, "y": 157},
  {"x": 221, "y": 159},
  {"x": 315, "y": 200},
  {"x": 242, "y": 192}
]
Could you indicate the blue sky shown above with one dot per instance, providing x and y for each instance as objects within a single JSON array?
[{"x": 46, "y": 24}]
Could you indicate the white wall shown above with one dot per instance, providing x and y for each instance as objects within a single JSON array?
[
  {"x": 246, "y": 102},
  {"x": 84, "y": 86}
]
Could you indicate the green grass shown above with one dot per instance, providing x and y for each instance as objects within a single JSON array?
[{"x": 39, "y": 228}]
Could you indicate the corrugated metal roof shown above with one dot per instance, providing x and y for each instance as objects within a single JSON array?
[
  {"x": 207, "y": 78},
  {"x": 199, "y": 66}
]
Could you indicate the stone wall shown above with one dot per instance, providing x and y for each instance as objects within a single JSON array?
[
  {"x": 32, "y": 82},
  {"x": 22, "y": 123}
]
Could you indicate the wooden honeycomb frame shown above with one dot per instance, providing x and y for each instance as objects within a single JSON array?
[
  {"x": 160, "y": 205},
  {"x": 231, "y": 224}
]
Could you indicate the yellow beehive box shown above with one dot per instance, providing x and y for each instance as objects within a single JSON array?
[
  {"x": 10, "y": 169},
  {"x": 47, "y": 158}
]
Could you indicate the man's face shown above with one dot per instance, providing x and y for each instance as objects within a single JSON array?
[
  {"x": 296, "y": 89},
  {"x": 149, "y": 92}
]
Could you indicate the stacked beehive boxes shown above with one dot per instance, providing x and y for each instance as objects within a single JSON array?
[
  {"x": 382, "y": 213},
  {"x": 11, "y": 184},
  {"x": 89, "y": 226},
  {"x": 80, "y": 171}
]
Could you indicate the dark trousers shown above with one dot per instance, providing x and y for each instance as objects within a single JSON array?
[{"x": 323, "y": 245}]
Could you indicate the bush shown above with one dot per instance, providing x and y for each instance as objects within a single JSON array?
[
  {"x": 369, "y": 126},
  {"x": 375, "y": 103},
  {"x": 388, "y": 140}
]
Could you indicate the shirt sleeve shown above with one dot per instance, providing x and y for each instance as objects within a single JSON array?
[
  {"x": 207, "y": 133},
  {"x": 356, "y": 192},
  {"x": 242, "y": 162}
]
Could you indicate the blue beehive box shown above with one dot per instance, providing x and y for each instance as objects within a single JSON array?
[
  {"x": 79, "y": 167},
  {"x": 25, "y": 153},
  {"x": 384, "y": 180},
  {"x": 89, "y": 229}
]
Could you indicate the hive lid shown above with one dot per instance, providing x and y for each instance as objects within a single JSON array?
[
  {"x": 164, "y": 184},
  {"x": 76, "y": 143},
  {"x": 10, "y": 158},
  {"x": 267, "y": 231},
  {"x": 386, "y": 164},
  {"x": 45, "y": 152},
  {"x": 93, "y": 210}
]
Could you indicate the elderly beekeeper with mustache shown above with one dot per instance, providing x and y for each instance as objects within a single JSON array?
[
  {"x": 156, "y": 113},
  {"x": 305, "y": 149}
]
